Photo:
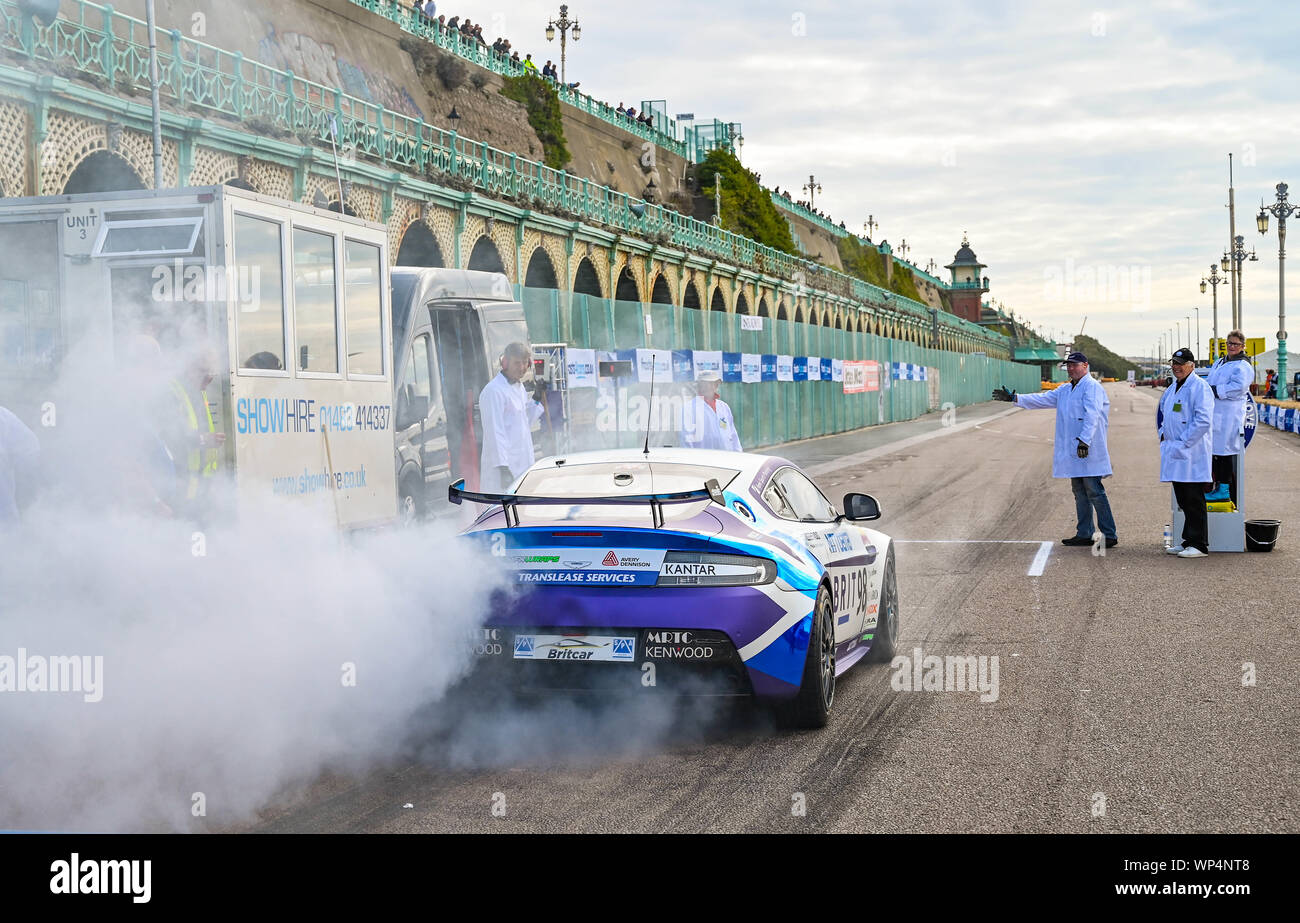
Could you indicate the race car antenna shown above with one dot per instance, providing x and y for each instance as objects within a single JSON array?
[{"x": 650, "y": 409}]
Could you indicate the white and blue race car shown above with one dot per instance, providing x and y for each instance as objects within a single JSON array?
[{"x": 685, "y": 570}]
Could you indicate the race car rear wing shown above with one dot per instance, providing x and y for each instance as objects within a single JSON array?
[{"x": 457, "y": 493}]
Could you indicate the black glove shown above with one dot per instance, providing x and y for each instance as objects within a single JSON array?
[
  {"x": 539, "y": 390},
  {"x": 1082, "y": 451},
  {"x": 1002, "y": 394}
]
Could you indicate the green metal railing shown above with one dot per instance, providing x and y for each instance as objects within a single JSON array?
[
  {"x": 483, "y": 55},
  {"x": 102, "y": 44},
  {"x": 772, "y": 412},
  {"x": 807, "y": 214}
]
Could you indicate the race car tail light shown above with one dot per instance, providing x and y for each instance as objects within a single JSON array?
[{"x": 696, "y": 568}]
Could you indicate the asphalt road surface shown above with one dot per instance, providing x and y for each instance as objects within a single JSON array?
[{"x": 1137, "y": 692}]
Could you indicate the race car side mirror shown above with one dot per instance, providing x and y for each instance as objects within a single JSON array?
[{"x": 861, "y": 507}]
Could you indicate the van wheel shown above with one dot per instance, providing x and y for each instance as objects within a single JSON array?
[{"x": 410, "y": 507}]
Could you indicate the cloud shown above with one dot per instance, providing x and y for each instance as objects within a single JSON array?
[{"x": 1042, "y": 130}]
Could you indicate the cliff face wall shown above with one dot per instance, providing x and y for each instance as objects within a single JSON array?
[
  {"x": 339, "y": 44},
  {"x": 816, "y": 242}
]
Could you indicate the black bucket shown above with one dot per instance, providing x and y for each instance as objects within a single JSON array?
[{"x": 1261, "y": 534}]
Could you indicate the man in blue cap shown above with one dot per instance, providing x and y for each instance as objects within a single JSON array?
[{"x": 1079, "y": 452}]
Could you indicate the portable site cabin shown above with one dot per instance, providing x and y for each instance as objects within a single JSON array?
[{"x": 292, "y": 301}]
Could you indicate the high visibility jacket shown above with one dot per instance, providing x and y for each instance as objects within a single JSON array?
[{"x": 199, "y": 462}]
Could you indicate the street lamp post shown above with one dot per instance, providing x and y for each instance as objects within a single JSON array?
[
  {"x": 870, "y": 225},
  {"x": 1214, "y": 279},
  {"x": 1281, "y": 210},
  {"x": 1198, "y": 328},
  {"x": 1233, "y": 257},
  {"x": 812, "y": 187},
  {"x": 563, "y": 24},
  {"x": 903, "y": 248}
]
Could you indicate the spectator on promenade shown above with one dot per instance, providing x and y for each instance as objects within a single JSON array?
[
  {"x": 620, "y": 110},
  {"x": 454, "y": 23},
  {"x": 514, "y": 58},
  {"x": 631, "y": 112},
  {"x": 548, "y": 69},
  {"x": 529, "y": 66}
]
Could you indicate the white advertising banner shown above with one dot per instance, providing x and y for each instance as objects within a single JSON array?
[
  {"x": 751, "y": 367},
  {"x": 581, "y": 368},
  {"x": 785, "y": 368},
  {"x": 656, "y": 364},
  {"x": 709, "y": 361}
]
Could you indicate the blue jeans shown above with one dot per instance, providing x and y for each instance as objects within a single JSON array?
[{"x": 1089, "y": 494}]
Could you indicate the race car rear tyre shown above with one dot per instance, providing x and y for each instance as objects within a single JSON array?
[
  {"x": 812, "y": 707},
  {"x": 886, "y": 633}
]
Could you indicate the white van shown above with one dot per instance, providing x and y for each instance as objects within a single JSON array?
[
  {"x": 292, "y": 300},
  {"x": 450, "y": 327}
]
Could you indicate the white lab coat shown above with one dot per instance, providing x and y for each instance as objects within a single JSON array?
[
  {"x": 1185, "y": 447},
  {"x": 1231, "y": 379},
  {"x": 1082, "y": 413},
  {"x": 508, "y": 412},
  {"x": 703, "y": 428}
]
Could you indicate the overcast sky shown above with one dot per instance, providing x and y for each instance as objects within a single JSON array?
[{"x": 1069, "y": 141}]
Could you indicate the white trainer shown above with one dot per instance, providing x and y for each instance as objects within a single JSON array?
[
  {"x": 1174, "y": 549},
  {"x": 1192, "y": 553}
]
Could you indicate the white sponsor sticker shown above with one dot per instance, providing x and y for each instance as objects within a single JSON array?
[
  {"x": 676, "y": 569},
  {"x": 605, "y": 648}
]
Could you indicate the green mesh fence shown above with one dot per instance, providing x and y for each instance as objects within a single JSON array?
[{"x": 770, "y": 412}]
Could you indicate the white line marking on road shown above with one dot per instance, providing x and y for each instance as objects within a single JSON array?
[
  {"x": 1035, "y": 569},
  {"x": 891, "y": 448},
  {"x": 967, "y": 541},
  {"x": 1040, "y": 560}
]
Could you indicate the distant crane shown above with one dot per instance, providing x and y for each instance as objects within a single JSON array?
[{"x": 1084, "y": 324}]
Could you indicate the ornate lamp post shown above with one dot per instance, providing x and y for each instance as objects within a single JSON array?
[
  {"x": 870, "y": 225},
  {"x": 903, "y": 248},
  {"x": 563, "y": 24},
  {"x": 812, "y": 187},
  {"x": 1281, "y": 210},
  {"x": 1214, "y": 279},
  {"x": 1233, "y": 257}
]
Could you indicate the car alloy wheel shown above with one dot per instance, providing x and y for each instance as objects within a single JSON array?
[
  {"x": 886, "y": 631},
  {"x": 826, "y": 655}
]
